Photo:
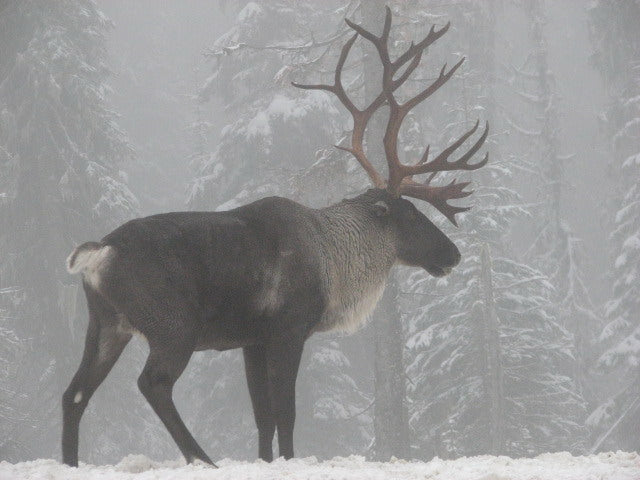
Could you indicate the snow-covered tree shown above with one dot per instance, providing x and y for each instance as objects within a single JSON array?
[
  {"x": 274, "y": 126},
  {"x": 60, "y": 184},
  {"x": 556, "y": 249},
  {"x": 488, "y": 359},
  {"x": 616, "y": 54},
  {"x": 523, "y": 404},
  {"x": 12, "y": 416}
]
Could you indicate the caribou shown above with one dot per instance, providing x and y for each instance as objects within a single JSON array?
[{"x": 265, "y": 276}]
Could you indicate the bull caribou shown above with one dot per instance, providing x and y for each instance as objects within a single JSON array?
[{"x": 265, "y": 276}]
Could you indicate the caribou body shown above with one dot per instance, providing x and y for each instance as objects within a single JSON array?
[{"x": 262, "y": 277}]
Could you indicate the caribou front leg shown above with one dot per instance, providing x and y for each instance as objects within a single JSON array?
[
  {"x": 255, "y": 364},
  {"x": 283, "y": 360}
]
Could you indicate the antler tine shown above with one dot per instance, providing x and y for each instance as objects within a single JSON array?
[
  {"x": 427, "y": 92},
  {"x": 379, "y": 41},
  {"x": 360, "y": 117},
  {"x": 408, "y": 71},
  {"x": 463, "y": 161},
  {"x": 438, "y": 196},
  {"x": 421, "y": 46},
  {"x": 425, "y": 156},
  {"x": 440, "y": 163},
  {"x": 337, "y": 88},
  {"x": 386, "y": 29}
]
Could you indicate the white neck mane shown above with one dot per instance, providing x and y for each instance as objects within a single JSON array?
[{"x": 359, "y": 255}]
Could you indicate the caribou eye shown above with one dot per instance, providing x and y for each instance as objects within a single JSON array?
[{"x": 381, "y": 208}]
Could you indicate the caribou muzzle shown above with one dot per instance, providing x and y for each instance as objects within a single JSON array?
[{"x": 446, "y": 260}]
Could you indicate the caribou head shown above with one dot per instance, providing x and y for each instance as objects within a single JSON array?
[{"x": 418, "y": 241}]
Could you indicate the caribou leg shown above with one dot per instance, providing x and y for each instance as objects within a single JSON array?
[
  {"x": 103, "y": 345},
  {"x": 283, "y": 360},
  {"x": 166, "y": 362},
  {"x": 255, "y": 365}
]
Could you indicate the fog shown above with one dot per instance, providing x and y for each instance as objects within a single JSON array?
[{"x": 112, "y": 110}]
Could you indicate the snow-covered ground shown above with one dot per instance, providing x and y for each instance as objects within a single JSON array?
[{"x": 550, "y": 466}]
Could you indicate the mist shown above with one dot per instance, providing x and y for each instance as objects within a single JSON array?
[{"x": 114, "y": 110}]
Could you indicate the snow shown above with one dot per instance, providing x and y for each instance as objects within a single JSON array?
[
  {"x": 288, "y": 109},
  {"x": 601, "y": 414},
  {"x": 628, "y": 347},
  {"x": 549, "y": 466},
  {"x": 632, "y": 242},
  {"x": 259, "y": 125},
  {"x": 632, "y": 160},
  {"x": 250, "y": 10}
]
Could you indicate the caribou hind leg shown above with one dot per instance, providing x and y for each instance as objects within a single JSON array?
[
  {"x": 156, "y": 384},
  {"x": 171, "y": 336},
  {"x": 103, "y": 345},
  {"x": 255, "y": 365}
]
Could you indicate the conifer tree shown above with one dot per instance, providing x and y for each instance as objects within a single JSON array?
[
  {"x": 60, "y": 184},
  {"x": 481, "y": 329},
  {"x": 556, "y": 250},
  {"x": 616, "y": 54}
]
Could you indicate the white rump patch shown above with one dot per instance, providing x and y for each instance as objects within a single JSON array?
[
  {"x": 77, "y": 398},
  {"x": 90, "y": 262}
]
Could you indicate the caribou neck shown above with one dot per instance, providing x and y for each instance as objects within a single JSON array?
[
  {"x": 353, "y": 237},
  {"x": 357, "y": 255}
]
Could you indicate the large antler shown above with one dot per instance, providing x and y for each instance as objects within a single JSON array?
[{"x": 400, "y": 181}]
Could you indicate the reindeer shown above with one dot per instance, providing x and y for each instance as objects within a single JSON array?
[{"x": 265, "y": 276}]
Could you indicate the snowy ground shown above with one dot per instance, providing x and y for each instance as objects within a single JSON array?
[{"x": 550, "y": 466}]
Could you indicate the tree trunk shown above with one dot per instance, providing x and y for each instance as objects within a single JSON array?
[
  {"x": 493, "y": 367},
  {"x": 391, "y": 424}
]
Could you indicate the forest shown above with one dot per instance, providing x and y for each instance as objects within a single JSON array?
[{"x": 112, "y": 110}]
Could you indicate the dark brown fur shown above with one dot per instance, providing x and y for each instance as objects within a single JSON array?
[{"x": 262, "y": 277}]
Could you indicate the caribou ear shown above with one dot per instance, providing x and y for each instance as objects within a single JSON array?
[{"x": 381, "y": 208}]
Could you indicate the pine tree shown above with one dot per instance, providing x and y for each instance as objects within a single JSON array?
[
  {"x": 556, "y": 249},
  {"x": 12, "y": 350},
  {"x": 488, "y": 358},
  {"x": 333, "y": 405},
  {"x": 60, "y": 184},
  {"x": 616, "y": 44},
  {"x": 274, "y": 126}
]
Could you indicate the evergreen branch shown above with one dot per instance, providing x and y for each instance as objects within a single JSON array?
[{"x": 361, "y": 411}]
